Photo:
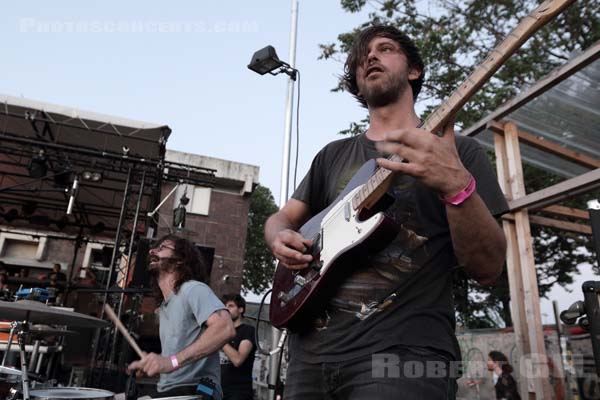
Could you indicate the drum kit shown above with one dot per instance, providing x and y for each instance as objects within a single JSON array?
[{"x": 35, "y": 320}]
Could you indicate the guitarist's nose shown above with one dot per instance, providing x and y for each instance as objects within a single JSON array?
[{"x": 371, "y": 58}]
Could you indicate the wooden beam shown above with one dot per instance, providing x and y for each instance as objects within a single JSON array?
[
  {"x": 556, "y": 193},
  {"x": 568, "y": 212},
  {"x": 533, "y": 328},
  {"x": 513, "y": 263},
  {"x": 587, "y": 57},
  {"x": 555, "y": 223},
  {"x": 549, "y": 146}
]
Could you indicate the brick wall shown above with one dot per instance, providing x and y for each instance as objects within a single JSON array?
[{"x": 224, "y": 229}]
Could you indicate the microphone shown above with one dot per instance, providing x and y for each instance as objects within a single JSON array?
[{"x": 72, "y": 197}]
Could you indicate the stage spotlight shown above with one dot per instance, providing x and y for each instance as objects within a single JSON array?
[
  {"x": 38, "y": 166},
  {"x": 91, "y": 176},
  {"x": 11, "y": 215},
  {"x": 98, "y": 228},
  {"x": 62, "y": 223},
  {"x": 63, "y": 172},
  {"x": 265, "y": 61},
  {"x": 29, "y": 208},
  {"x": 180, "y": 212},
  {"x": 39, "y": 220}
]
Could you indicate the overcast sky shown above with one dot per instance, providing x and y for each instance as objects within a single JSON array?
[{"x": 183, "y": 64}]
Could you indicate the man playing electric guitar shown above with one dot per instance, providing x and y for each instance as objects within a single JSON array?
[{"x": 445, "y": 199}]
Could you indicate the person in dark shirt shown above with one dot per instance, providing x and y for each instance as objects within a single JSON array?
[
  {"x": 57, "y": 275},
  {"x": 237, "y": 356},
  {"x": 504, "y": 383},
  {"x": 385, "y": 325}
]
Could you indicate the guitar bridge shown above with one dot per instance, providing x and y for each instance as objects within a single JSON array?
[{"x": 299, "y": 283}]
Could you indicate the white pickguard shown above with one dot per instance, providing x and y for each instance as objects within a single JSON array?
[{"x": 341, "y": 230}]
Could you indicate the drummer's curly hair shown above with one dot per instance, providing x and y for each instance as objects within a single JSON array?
[{"x": 189, "y": 264}]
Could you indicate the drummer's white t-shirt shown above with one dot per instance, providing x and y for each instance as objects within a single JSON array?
[{"x": 182, "y": 318}]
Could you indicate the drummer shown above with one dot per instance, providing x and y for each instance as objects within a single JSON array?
[{"x": 194, "y": 323}]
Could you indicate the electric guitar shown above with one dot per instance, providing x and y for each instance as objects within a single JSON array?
[{"x": 354, "y": 223}]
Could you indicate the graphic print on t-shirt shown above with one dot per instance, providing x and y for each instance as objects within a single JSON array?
[{"x": 385, "y": 270}]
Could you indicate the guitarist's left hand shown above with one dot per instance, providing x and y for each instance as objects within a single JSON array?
[{"x": 430, "y": 158}]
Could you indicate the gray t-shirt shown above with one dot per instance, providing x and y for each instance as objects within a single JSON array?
[{"x": 182, "y": 318}]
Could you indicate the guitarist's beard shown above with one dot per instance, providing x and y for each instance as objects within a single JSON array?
[{"x": 384, "y": 91}]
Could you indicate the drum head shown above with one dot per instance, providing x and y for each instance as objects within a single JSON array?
[{"x": 71, "y": 393}]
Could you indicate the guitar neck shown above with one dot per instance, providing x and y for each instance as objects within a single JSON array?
[{"x": 377, "y": 184}]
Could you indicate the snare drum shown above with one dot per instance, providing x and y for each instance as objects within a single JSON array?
[{"x": 71, "y": 393}]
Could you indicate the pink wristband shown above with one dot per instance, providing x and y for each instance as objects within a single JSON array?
[
  {"x": 464, "y": 194},
  {"x": 174, "y": 362}
]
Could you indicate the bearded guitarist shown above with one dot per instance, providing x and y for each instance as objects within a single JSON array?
[{"x": 366, "y": 343}]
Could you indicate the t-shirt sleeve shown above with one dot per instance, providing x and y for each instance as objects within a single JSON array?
[
  {"x": 248, "y": 334},
  {"x": 311, "y": 188},
  {"x": 477, "y": 162},
  {"x": 202, "y": 301}
]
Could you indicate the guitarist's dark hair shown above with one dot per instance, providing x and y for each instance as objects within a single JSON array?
[{"x": 359, "y": 51}]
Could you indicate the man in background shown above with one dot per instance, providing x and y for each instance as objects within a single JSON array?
[{"x": 237, "y": 356}]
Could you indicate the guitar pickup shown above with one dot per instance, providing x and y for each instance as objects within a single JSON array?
[
  {"x": 347, "y": 211},
  {"x": 300, "y": 280}
]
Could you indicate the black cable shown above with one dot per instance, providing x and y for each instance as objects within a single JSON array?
[
  {"x": 297, "y": 130},
  {"x": 260, "y": 349}
]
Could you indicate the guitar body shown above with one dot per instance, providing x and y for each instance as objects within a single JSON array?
[{"x": 341, "y": 236}]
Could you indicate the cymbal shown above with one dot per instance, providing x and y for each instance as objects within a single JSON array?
[
  {"x": 9, "y": 371},
  {"x": 44, "y": 330},
  {"x": 38, "y": 313}
]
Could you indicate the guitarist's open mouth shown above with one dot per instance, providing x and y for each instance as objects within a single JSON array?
[{"x": 372, "y": 69}]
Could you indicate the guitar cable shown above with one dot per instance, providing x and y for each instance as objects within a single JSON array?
[
  {"x": 256, "y": 324},
  {"x": 297, "y": 131}
]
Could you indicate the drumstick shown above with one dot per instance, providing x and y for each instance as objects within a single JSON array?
[{"x": 111, "y": 314}]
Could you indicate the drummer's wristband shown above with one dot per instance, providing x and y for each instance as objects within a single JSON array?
[{"x": 174, "y": 362}]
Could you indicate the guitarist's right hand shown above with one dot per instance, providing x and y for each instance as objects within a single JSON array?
[{"x": 288, "y": 247}]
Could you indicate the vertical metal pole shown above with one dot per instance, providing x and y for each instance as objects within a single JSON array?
[
  {"x": 130, "y": 251},
  {"x": 594, "y": 210},
  {"x": 289, "y": 106},
  {"x": 285, "y": 173},
  {"x": 113, "y": 259},
  {"x": 78, "y": 242},
  {"x": 112, "y": 267},
  {"x": 591, "y": 289},
  {"x": 13, "y": 328}
]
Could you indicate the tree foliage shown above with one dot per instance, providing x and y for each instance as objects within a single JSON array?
[
  {"x": 454, "y": 36},
  {"x": 259, "y": 263}
]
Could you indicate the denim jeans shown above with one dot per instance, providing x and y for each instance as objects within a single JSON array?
[{"x": 396, "y": 373}]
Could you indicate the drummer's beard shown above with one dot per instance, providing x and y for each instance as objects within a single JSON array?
[{"x": 158, "y": 265}]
